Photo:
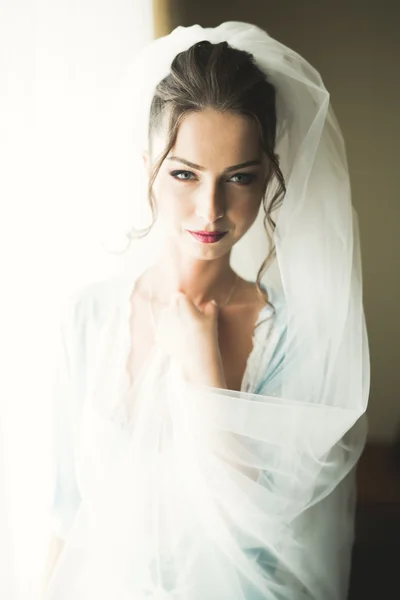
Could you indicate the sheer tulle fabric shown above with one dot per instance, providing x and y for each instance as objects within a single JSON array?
[
  {"x": 207, "y": 493},
  {"x": 201, "y": 493}
]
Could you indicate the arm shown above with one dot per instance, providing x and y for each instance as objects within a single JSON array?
[{"x": 209, "y": 372}]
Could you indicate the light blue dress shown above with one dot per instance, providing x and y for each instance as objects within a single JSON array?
[
  {"x": 103, "y": 309},
  {"x": 87, "y": 313}
]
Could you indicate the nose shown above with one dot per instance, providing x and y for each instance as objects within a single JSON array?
[{"x": 210, "y": 204}]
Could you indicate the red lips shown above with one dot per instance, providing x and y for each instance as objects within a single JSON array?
[
  {"x": 216, "y": 232},
  {"x": 208, "y": 237}
]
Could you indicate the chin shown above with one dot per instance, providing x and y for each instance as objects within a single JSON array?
[{"x": 201, "y": 251}]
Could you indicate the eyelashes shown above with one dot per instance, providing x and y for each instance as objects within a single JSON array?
[{"x": 246, "y": 178}]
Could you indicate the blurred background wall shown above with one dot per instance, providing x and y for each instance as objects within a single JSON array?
[{"x": 356, "y": 46}]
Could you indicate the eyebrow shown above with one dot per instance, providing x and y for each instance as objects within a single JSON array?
[{"x": 248, "y": 163}]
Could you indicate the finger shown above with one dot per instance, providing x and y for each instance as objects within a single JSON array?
[
  {"x": 211, "y": 309},
  {"x": 175, "y": 296},
  {"x": 180, "y": 299}
]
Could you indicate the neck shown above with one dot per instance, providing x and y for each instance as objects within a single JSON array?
[{"x": 200, "y": 280}]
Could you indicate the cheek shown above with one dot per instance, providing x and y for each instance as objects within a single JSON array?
[
  {"x": 172, "y": 202},
  {"x": 245, "y": 213}
]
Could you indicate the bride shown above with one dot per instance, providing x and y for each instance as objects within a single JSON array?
[{"x": 210, "y": 410}]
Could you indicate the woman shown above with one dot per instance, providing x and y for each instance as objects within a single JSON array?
[{"x": 211, "y": 410}]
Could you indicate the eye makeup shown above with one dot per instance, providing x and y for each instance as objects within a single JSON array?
[{"x": 248, "y": 177}]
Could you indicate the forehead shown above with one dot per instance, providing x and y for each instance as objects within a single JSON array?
[{"x": 216, "y": 139}]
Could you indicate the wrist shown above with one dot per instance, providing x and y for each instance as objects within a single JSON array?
[{"x": 206, "y": 371}]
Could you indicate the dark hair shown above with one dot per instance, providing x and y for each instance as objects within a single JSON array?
[{"x": 226, "y": 79}]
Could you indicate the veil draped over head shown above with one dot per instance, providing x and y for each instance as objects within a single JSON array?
[{"x": 211, "y": 494}]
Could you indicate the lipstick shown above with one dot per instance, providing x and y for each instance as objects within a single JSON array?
[{"x": 208, "y": 237}]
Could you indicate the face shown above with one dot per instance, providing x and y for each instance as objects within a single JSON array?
[{"x": 209, "y": 188}]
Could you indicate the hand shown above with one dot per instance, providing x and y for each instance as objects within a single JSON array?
[{"x": 190, "y": 336}]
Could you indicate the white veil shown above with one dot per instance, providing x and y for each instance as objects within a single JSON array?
[{"x": 216, "y": 494}]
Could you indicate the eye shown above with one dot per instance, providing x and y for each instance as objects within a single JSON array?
[
  {"x": 186, "y": 175},
  {"x": 245, "y": 178}
]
